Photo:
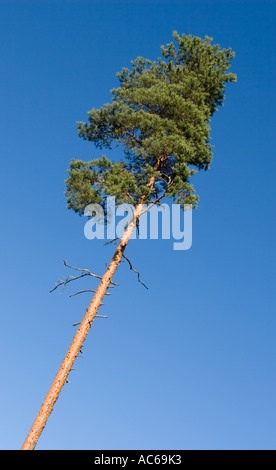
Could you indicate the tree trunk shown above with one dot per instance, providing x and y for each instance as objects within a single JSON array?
[{"x": 76, "y": 345}]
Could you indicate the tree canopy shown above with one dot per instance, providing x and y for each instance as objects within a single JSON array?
[{"x": 160, "y": 115}]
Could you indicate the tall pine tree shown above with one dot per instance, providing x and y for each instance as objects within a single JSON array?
[{"x": 160, "y": 116}]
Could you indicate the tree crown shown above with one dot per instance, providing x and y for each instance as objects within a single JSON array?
[{"x": 160, "y": 115}]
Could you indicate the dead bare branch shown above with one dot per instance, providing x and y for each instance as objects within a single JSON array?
[
  {"x": 111, "y": 241},
  {"x": 132, "y": 269},
  {"x": 84, "y": 272},
  {"x": 86, "y": 290}
]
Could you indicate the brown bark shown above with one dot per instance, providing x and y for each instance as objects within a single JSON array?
[{"x": 76, "y": 345}]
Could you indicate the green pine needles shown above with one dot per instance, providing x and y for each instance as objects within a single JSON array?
[{"x": 160, "y": 115}]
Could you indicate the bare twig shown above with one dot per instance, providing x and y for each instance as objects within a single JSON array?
[
  {"x": 84, "y": 272},
  {"x": 86, "y": 290},
  {"x": 111, "y": 241},
  {"x": 67, "y": 280},
  {"x": 132, "y": 269}
]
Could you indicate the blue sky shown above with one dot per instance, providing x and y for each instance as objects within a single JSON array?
[{"x": 189, "y": 363}]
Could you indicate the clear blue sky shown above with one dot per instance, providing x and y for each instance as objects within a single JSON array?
[{"x": 190, "y": 363}]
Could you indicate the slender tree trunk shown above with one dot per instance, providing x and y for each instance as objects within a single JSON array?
[{"x": 76, "y": 345}]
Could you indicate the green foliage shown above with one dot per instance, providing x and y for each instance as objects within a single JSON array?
[{"x": 160, "y": 115}]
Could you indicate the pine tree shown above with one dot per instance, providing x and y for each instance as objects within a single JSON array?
[{"x": 160, "y": 115}]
